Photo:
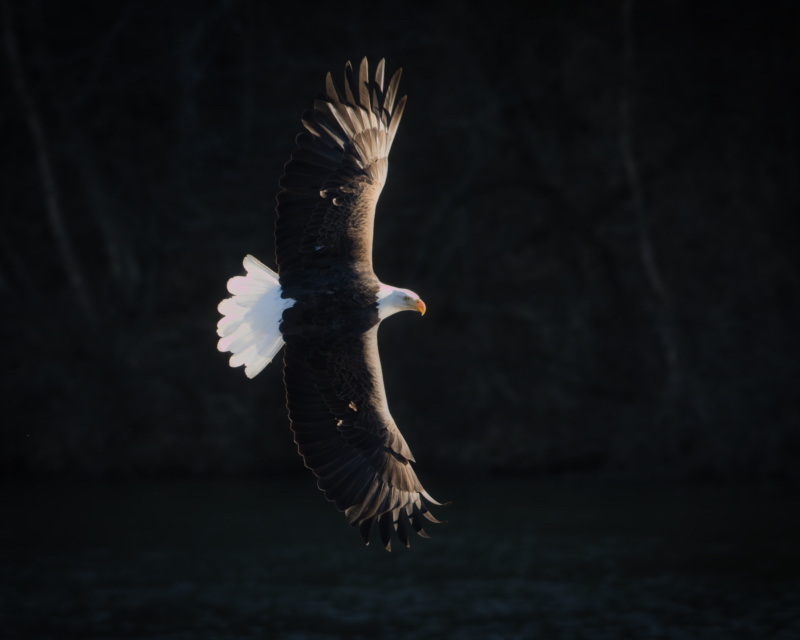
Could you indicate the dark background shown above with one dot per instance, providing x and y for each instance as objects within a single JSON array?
[
  {"x": 596, "y": 200},
  {"x": 600, "y": 215}
]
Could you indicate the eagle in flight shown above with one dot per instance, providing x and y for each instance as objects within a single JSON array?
[{"x": 325, "y": 305}]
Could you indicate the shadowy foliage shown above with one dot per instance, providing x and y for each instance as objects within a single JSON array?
[{"x": 595, "y": 200}]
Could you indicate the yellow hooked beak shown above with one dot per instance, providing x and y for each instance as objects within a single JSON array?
[{"x": 420, "y": 306}]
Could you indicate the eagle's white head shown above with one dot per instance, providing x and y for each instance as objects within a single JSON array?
[{"x": 391, "y": 300}]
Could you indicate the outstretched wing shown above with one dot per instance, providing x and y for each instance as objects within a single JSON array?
[
  {"x": 343, "y": 430},
  {"x": 333, "y": 180}
]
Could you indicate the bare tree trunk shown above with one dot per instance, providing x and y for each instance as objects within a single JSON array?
[
  {"x": 666, "y": 324},
  {"x": 248, "y": 71},
  {"x": 50, "y": 191},
  {"x": 5, "y": 285}
]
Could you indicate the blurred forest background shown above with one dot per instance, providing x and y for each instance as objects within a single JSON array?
[{"x": 597, "y": 201}]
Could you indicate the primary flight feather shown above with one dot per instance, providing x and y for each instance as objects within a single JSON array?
[{"x": 325, "y": 305}]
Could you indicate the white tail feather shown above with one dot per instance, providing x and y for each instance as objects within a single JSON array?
[{"x": 252, "y": 317}]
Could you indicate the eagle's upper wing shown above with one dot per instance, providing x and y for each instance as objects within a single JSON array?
[
  {"x": 343, "y": 430},
  {"x": 335, "y": 176}
]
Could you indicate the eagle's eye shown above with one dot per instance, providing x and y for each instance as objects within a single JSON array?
[{"x": 406, "y": 299}]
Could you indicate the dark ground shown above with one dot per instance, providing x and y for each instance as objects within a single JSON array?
[{"x": 517, "y": 559}]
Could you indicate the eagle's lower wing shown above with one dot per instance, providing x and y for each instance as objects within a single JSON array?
[
  {"x": 343, "y": 430},
  {"x": 334, "y": 178}
]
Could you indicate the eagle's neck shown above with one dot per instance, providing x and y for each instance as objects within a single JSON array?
[{"x": 389, "y": 298}]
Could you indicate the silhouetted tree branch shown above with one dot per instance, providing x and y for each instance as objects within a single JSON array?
[
  {"x": 634, "y": 182},
  {"x": 50, "y": 191}
]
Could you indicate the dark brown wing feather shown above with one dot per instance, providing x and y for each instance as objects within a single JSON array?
[
  {"x": 343, "y": 430},
  {"x": 335, "y": 176}
]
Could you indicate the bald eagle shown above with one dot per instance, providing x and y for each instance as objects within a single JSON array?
[{"x": 325, "y": 305}]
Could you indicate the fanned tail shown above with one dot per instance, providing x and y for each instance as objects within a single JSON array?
[{"x": 250, "y": 328}]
